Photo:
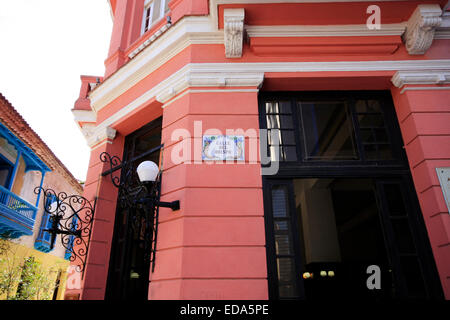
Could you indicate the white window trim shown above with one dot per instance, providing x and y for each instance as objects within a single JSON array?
[
  {"x": 160, "y": 16},
  {"x": 148, "y": 3}
]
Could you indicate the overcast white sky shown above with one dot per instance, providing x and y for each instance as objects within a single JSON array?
[{"x": 45, "y": 45}]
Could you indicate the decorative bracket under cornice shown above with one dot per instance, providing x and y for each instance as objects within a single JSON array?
[
  {"x": 96, "y": 135},
  {"x": 191, "y": 79},
  {"x": 425, "y": 77},
  {"x": 233, "y": 20},
  {"x": 421, "y": 27}
]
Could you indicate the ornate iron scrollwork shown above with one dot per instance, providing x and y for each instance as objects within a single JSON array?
[
  {"x": 114, "y": 163},
  {"x": 141, "y": 198},
  {"x": 146, "y": 218},
  {"x": 137, "y": 198},
  {"x": 71, "y": 216}
]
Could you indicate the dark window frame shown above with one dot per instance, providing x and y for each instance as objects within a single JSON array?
[
  {"x": 359, "y": 166},
  {"x": 378, "y": 170}
]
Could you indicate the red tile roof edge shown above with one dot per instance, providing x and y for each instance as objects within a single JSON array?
[{"x": 12, "y": 119}]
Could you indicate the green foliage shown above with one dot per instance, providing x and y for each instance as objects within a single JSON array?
[
  {"x": 26, "y": 279},
  {"x": 10, "y": 269},
  {"x": 26, "y": 290},
  {"x": 35, "y": 281}
]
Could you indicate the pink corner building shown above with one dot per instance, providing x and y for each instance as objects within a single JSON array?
[{"x": 306, "y": 142}]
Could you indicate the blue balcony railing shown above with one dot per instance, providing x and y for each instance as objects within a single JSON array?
[{"x": 17, "y": 216}]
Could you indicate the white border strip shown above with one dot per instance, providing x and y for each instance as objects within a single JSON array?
[
  {"x": 233, "y": 73},
  {"x": 423, "y": 88}
]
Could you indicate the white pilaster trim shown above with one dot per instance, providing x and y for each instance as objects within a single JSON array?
[{"x": 402, "y": 78}]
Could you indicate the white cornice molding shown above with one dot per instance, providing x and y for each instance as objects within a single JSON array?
[
  {"x": 395, "y": 29},
  {"x": 203, "y": 30},
  {"x": 233, "y": 25},
  {"x": 189, "y": 78},
  {"x": 94, "y": 134},
  {"x": 252, "y": 74},
  {"x": 188, "y": 31},
  {"x": 313, "y": 66},
  {"x": 232, "y": 74},
  {"x": 443, "y": 31},
  {"x": 84, "y": 116},
  {"x": 150, "y": 40},
  {"x": 421, "y": 27},
  {"x": 402, "y": 78}
]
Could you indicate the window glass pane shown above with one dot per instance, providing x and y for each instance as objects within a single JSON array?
[
  {"x": 278, "y": 107},
  {"x": 274, "y": 152},
  {"x": 147, "y": 16},
  {"x": 283, "y": 137},
  {"x": 381, "y": 135},
  {"x": 156, "y": 10},
  {"x": 148, "y": 141},
  {"x": 403, "y": 235},
  {"x": 367, "y": 135},
  {"x": 166, "y": 6},
  {"x": 4, "y": 174},
  {"x": 279, "y": 122},
  {"x": 374, "y": 151},
  {"x": 328, "y": 131},
  {"x": 282, "y": 244},
  {"x": 286, "y": 291},
  {"x": 286, "y": 269},
  {"x": 288, "y": 153},
  {"x": 281, "y": 226},
  {"x": 287, "y": 137},
  {"x": 279, "y": 201},
  {"x": 413, "y": 276},
  {"x": 385, "y": 152},
  {"x": 285, "y": 153},
  {"x": 367, "y": 106},
  {"x": 371, "y": 152},
  {"x": 371, "y": 120},
  {"x": 274, "y": 140},
  {"x": 394, "y": 199}
]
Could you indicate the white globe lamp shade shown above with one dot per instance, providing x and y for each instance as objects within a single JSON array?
[
  {"x": 53, "y": 206},
  {"x": 147, "y": 171}
]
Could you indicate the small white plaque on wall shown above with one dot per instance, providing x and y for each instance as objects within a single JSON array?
[
  {"x": 217, "y": 147},
  {"x": 444, "y": 179}
]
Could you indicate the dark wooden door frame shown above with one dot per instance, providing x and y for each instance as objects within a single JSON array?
[{"x": 130, "y": 145}]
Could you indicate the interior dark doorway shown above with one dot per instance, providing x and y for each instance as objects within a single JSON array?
[
  {"x": 129, "y": 267},
  {"x": 341, "y": 234},
  {"x": 6, "y": 169}
]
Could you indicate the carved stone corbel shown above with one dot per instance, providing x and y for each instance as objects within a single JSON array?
[
  {"x": 424, "y": 77},
  {"x": 420, "y": 28},
  {"x": 95, "y": 135},
  {"x": 234, "y": 32}
]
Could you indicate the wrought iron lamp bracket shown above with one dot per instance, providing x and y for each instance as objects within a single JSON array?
[
  {"x": 71, "y": 217},
  {"x": 133, "y": 193}
]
